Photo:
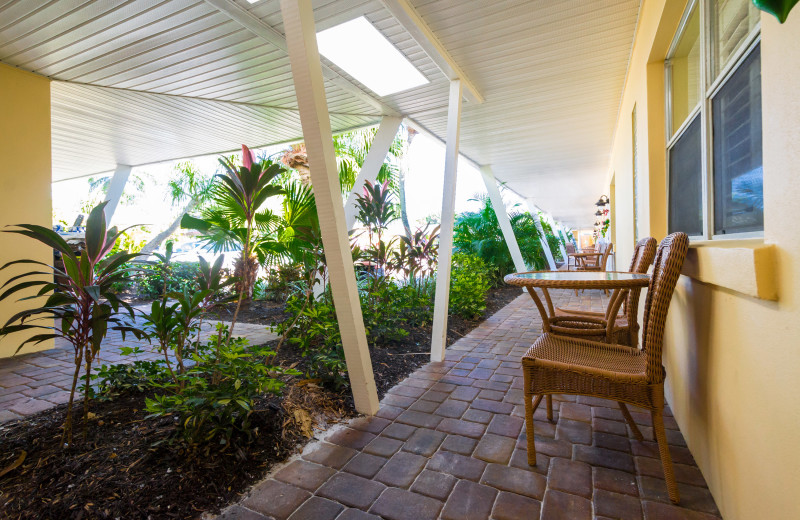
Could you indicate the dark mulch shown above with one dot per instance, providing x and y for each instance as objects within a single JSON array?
[{"x": 119, "y": 472}]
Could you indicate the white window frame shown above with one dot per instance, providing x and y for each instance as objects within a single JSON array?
[{"x": 703, "y": 107}]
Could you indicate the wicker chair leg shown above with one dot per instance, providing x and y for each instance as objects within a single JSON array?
[
  {"x": 536, "y": 403},
  {"x": 630, "y": 421},
  {"x": 530, "y": 406},
  {"x": 549, "y": 407},
  {"x": 666, "y": 459}
]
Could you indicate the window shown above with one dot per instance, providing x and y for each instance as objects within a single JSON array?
[{"x": 714, "y": 165}]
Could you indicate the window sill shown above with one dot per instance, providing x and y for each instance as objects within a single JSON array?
[{"x": 745, "y": 266}]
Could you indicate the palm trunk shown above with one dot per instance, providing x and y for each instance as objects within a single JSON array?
[
  {"x": 402, "y": 178},
  {"x": 156, "y": 241}
]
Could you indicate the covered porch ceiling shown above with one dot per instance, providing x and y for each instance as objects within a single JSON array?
[{"x": 143, "y": 81}]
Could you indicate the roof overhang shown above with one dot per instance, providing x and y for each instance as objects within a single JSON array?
[{"x": 144, "y": 82}]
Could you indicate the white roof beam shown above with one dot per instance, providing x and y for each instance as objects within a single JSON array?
[
  {"x": 298, "y": 18},
  {"x": 445, "y": 255},
  {"x": 413, "y": 23},
  {"x": 266, "y": 32}
]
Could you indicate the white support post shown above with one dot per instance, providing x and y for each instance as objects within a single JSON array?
[
  {"x": 372, "y": 163},
  {"x": 442, "y": 300},
  {"x": 301, "y": 38},
  {"x": 502, "y": 218},
  {"x": 542, "y": 237},
  {"x": 115, "y": 189}
]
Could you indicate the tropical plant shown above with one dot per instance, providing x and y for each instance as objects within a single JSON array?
[
  {"x": 79, "y": 297},
  {"x": 376, "y": 210},
  {"x": 216, "y": 406},
  {"x": 479, "y": 232},
  {"x": 415, "y": 256},
  {"x": 239, "y": 197}
]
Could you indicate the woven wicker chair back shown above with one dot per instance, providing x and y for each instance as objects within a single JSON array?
[
  {"x": 643, "y": 257},
  {"x": 668, "y": 264},
  {"x": 569, "y": 247},
  {"x": 606, "y": 253}
]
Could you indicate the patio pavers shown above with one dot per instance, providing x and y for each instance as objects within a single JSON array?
[
  {"x": 31, "y": 383},
  {"x": 449, "y": 442}
]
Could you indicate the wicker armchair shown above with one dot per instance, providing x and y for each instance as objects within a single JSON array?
[
  {"x": 563, "y": 365},
  {"x": 598, "y": 263},
  {"x": 598, "y": 326}
]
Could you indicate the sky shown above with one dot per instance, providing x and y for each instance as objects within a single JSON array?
[{"x": 424, "y": 184}]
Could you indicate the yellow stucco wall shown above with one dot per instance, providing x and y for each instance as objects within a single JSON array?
[
  {"x": 733, "y": 360},
  {"x": 25, "y": 177}
]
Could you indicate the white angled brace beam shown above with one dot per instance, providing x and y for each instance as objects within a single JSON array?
[
  {"x": 266, "y": 32},
  {"x": 442, "y": 301},
  {"x": 542, "y": 237},
  {"x": 502, "y": 218},
  {"x": 298, "y": 19},
  {"x": 412, "y": 22},
  {"x": 115, "y": 189},
  {"x": 372, "y": 163}
]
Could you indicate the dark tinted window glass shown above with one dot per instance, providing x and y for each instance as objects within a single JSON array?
[
  {"x": 685, "y": 182},
  {"x": 738, "y": 175}
]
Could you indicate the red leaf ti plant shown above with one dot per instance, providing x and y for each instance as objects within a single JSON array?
[{"x": 79, "y": 305}]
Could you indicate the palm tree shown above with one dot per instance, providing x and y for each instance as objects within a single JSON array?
[
  {"x": 402, "y": 181},
  {"x": 187, "y": 185},
  {"x": 479, "y": 233}
]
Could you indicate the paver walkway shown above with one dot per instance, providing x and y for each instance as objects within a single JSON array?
[
  {"x": 31, "y": 383},
  {"x": 449, "y": 442}
]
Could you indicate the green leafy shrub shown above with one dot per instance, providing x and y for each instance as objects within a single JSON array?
[
  {"x": 182, "y": 276},
  {"x": 219, "y": 389},
  {"x": 390, "y": 308},
  {"x": 316, "y": 335},
  {"x": 113, "y": 380},
  {"x": 278, "y": 284},
  {"x": 469, "y": 284}
]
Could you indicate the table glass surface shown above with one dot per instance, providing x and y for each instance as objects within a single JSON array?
[{"x": 582, "y": 276}]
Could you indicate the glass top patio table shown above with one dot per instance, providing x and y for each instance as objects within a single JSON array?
[
  {"x": 619, "y": 282},
  {"x": 578, "y": 279}
]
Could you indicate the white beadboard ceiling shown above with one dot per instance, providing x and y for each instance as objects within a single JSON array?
[{"x": 142, "y": 81}]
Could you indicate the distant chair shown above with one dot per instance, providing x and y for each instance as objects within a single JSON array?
[
  {"x": 564, "y": 365},
  {"x": 570, "y": 249},
  {"x": 598, "y": 263},
  {"x": 598, "y": 325}
]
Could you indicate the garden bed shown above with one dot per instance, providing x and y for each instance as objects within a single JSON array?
[{"x": 127, "y": 468}]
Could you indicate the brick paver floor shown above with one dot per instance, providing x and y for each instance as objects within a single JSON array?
[
  {"x": 31, "y": 383},
  {"x": 449, "y": 442}
]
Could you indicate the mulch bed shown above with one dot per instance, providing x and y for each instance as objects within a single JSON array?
[{"x": 126, "y": 468}]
